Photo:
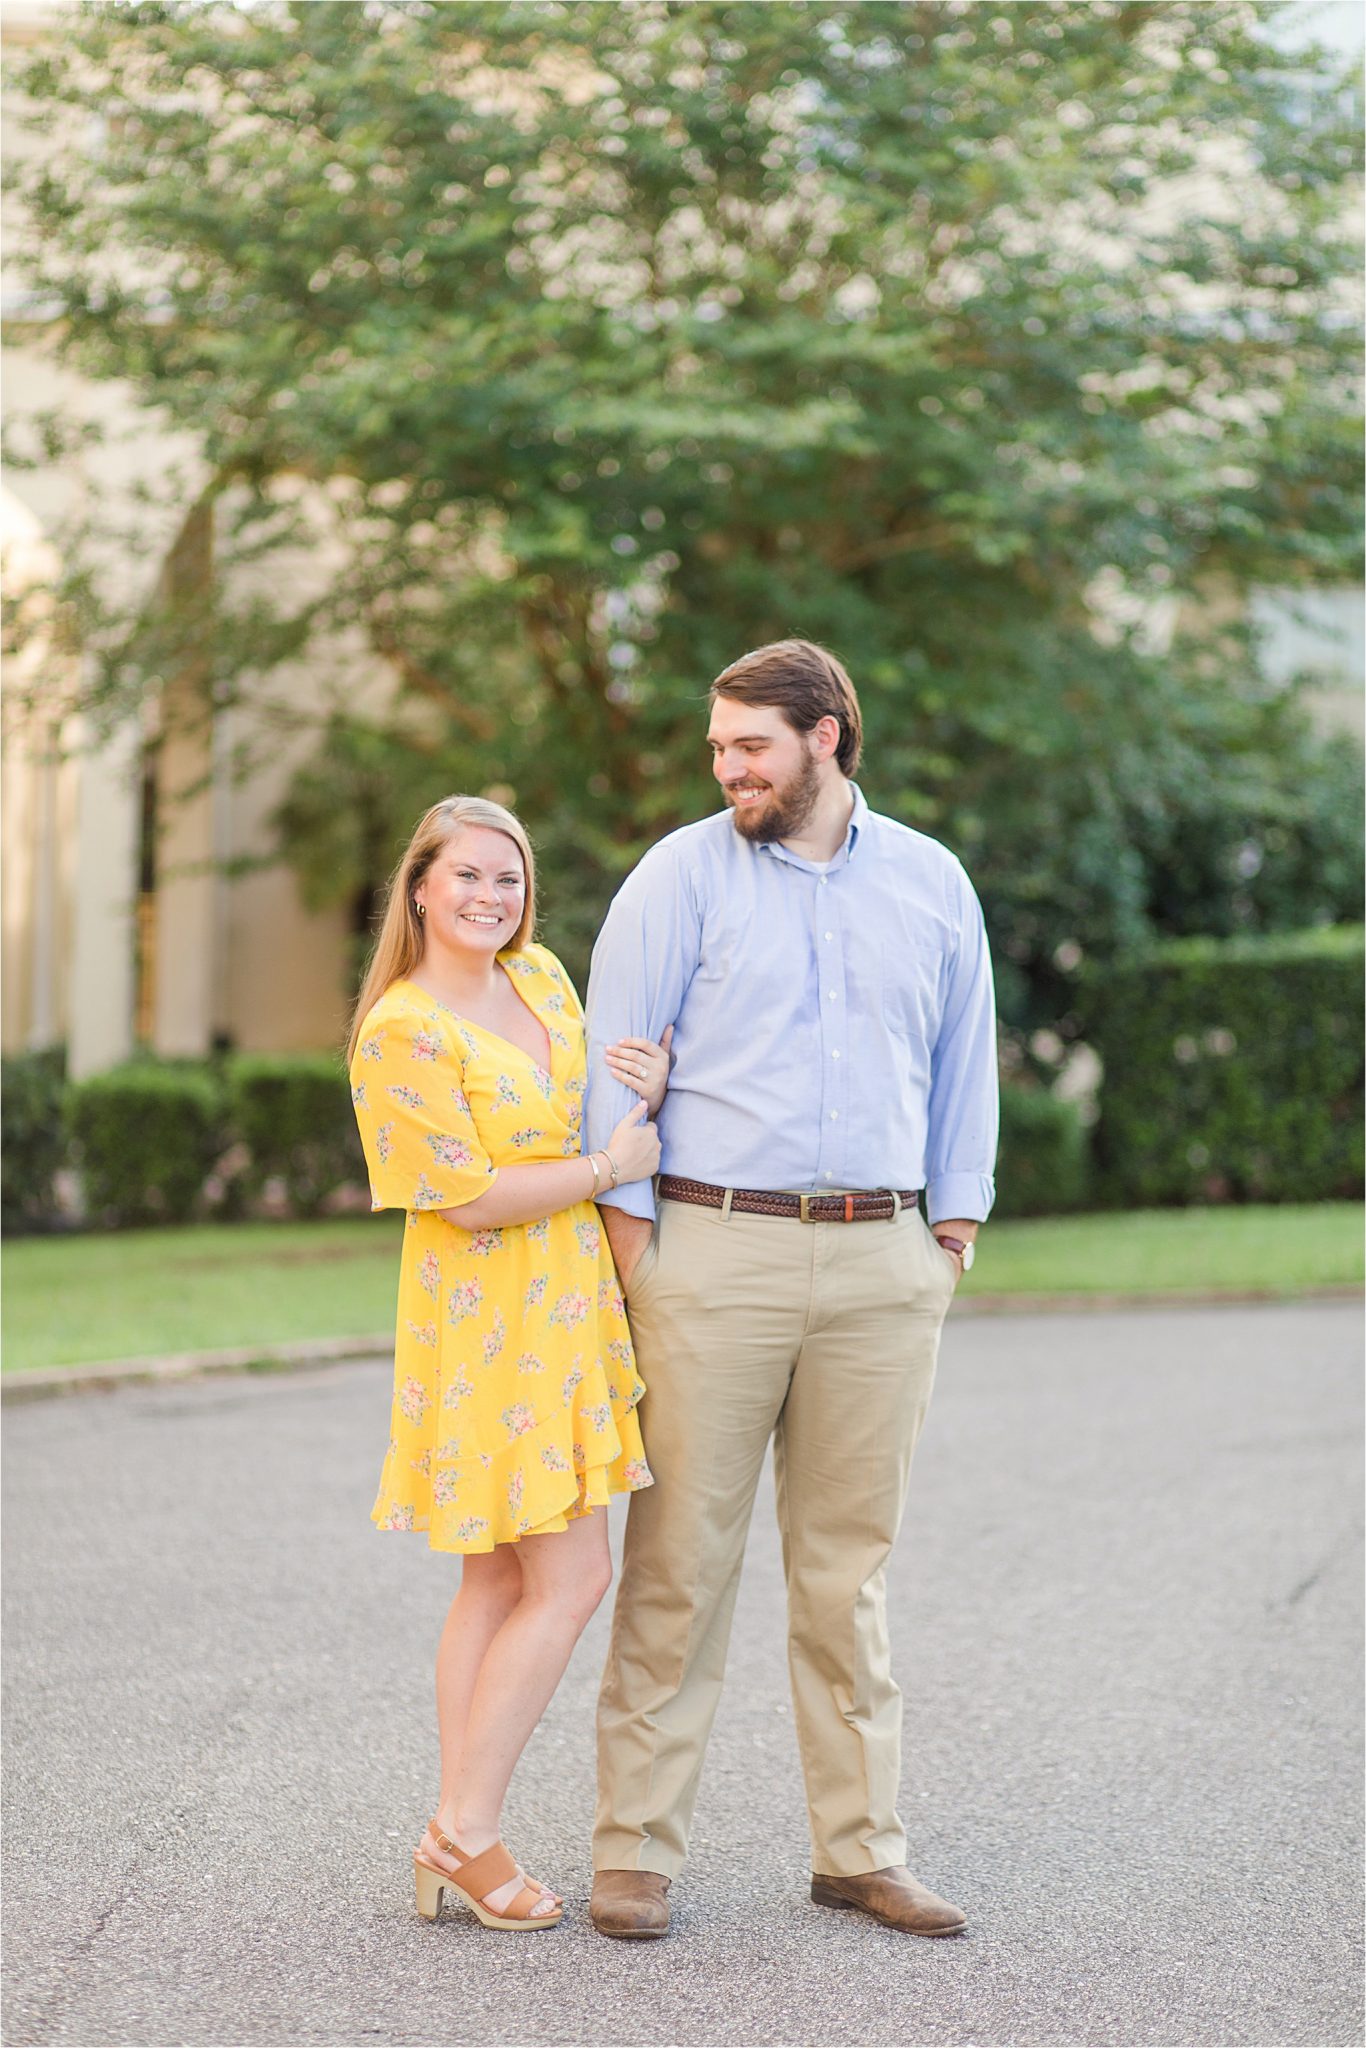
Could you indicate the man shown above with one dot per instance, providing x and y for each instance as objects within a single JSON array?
[{"x": 826, "y": 974}]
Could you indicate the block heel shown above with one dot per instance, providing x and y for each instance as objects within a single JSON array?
[{"x": 430, "y": 1886}]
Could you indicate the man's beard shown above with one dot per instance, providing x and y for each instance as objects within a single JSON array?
[{"x": 783, "y": 812}]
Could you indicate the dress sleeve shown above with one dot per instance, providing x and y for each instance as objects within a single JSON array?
[
  {"x": 421, "y": 1145},
  {"x": 559, "y": 975}
]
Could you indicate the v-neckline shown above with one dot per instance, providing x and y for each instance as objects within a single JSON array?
[{"x": 546, "y": 1067}]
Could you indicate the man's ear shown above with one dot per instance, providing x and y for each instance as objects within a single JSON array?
[{"x": 825, "y": 736}]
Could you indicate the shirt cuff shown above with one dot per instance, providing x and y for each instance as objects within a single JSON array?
[
  {"x": 968, "y": 1196},
  {"x": 635, "y": 1197}
]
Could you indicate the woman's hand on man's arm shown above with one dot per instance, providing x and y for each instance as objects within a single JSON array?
[{"x": 642, "y": 1065}]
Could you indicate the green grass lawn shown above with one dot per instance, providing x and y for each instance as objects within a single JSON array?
[
  {"x": 1160, "y": 1251},
  {"x": 205, "y": 1288},
  {"x": 141, "y": 1293}
]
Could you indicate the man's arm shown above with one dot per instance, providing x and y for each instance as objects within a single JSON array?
[
  {"x": 645, "y": 956},
  {"x": 964, "y": 1109}
]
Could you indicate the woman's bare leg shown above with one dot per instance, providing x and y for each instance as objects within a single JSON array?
[
  {"x": 564, "y": 1577},
  {"x": 490, "y": 1587}
]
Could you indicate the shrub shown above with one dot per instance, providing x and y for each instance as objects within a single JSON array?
[
  {"x": 147, "y": 1136},
  {"x": 1042, "y": 1164},
  {"x": 293, "y": 1113},
  {"x": 1233, "y": 1070},
  {"x": 32, "y": 1137}
]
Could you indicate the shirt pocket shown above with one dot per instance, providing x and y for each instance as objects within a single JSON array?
[{"x": 913, "y": 970}]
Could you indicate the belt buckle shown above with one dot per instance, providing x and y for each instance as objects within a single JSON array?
[{"x": 804, "y": 1207}]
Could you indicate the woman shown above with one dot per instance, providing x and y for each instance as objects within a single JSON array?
[{"x": 515, "y": 1384}]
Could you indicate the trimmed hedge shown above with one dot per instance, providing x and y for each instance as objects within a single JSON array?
[
  {"x": 32, "y": 1138},
  {"x": 147, "y": 1136},
  {"x": 293, "y": 1113},
  {"x": 1232, "y": 1070},
  {"x": 1042, "y": 1165}
]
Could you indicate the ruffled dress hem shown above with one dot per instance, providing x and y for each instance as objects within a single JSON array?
[
  {"x": 471, "y": 1504},
  {"x": 595, "y": 1493}
]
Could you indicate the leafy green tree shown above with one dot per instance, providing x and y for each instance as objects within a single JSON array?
[{"x": 969, "y": 339}]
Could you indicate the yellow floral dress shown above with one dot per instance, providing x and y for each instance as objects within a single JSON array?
[{"x": 515, "y": 1385}]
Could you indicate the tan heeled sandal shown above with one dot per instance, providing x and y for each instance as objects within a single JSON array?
[{"x": 476, "y": 1877}]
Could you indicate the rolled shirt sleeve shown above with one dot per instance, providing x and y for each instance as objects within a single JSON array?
[{"x": 964, "y": 1105}]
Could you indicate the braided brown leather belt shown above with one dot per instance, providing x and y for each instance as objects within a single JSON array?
[{"x": 878, "y": 1205}]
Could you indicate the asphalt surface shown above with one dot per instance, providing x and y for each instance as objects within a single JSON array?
[{"x": 1126, "y": 1607}]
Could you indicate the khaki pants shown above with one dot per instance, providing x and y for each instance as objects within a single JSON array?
[{"x": 825, "y": 1334}]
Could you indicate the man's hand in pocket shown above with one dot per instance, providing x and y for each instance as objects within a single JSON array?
[{"x": 628, "y": 1237}]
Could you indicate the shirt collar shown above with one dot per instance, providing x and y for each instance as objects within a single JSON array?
[{"x": 858, "y": 818}]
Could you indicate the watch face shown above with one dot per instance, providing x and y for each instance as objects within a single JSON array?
[{"x": 969, "y": 1254}]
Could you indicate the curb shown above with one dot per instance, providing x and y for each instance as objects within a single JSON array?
[{"x": 46, "y": 1381}]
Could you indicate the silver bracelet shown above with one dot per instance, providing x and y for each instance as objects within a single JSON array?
[
  {"x": 612, "y": 1167},
  {"x": 597, "y": 1177}
]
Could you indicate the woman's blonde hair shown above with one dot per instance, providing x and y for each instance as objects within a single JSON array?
[{"x": 398, "y": 947}]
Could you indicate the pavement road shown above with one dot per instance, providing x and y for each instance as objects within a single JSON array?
[{"x": 1126, "y": 1606}]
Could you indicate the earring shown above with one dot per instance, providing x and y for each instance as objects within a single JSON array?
[{"x": 421, "y": 909}]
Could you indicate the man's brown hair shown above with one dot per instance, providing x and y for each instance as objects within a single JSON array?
[{"x": 806, "y": 683}]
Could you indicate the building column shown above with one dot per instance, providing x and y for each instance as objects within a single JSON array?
[
  {"x": 186, "y": 918},
  {"x": 183, "y": 928},
  {"x": 104, "y": 890}
]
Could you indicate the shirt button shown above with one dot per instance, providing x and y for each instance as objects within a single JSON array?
[
  {"x": 830, "y": 935},
  {"x": 832, "y": 995},
  {"x": 834, "y": 1055},
  {"x": 834, "y": 1116},
  {"x": 825, "y": 879},
  {"x": 829, "y": 1176}
]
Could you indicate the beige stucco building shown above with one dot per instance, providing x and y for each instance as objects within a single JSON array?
[{"x": 123, "y": 923}]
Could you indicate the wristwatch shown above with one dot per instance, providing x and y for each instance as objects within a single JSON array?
[{"x": 967, "y": 1252}]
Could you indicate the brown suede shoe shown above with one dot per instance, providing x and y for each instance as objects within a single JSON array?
[
  {"x": 630, "y": 1905},
  {"x": 892, "y": 1896}
]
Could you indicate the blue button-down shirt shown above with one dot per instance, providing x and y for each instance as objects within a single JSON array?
[{"x": 834, "y": 1024}]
